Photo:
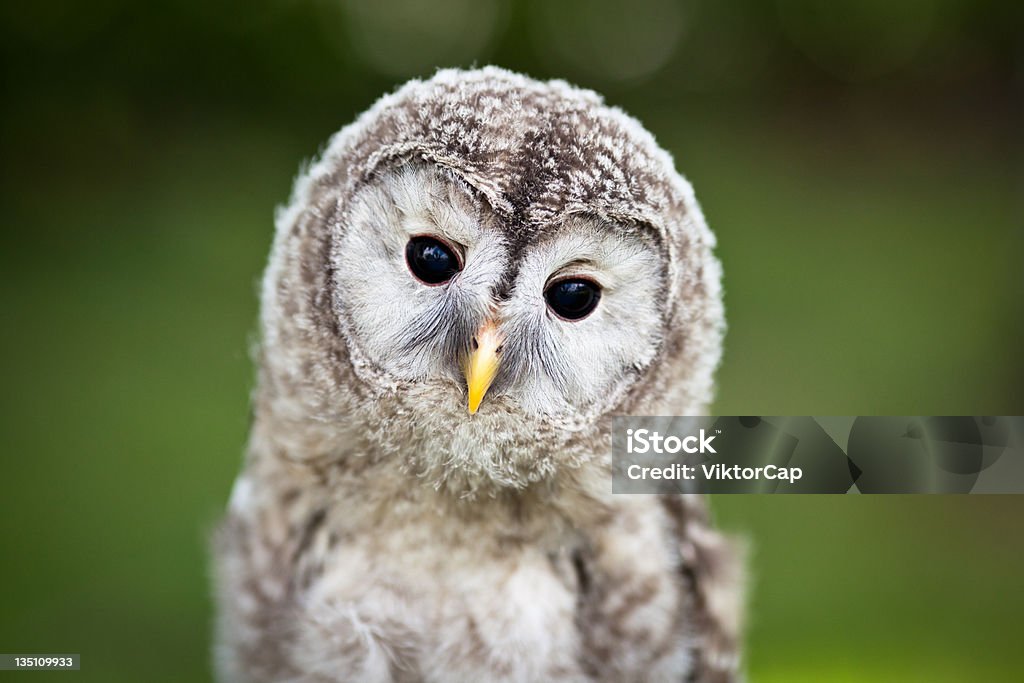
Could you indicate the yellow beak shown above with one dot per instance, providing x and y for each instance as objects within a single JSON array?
[{"x": 482, "y": 364}]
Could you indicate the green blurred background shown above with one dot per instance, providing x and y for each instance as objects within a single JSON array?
[{"x": 861, "y": 163}]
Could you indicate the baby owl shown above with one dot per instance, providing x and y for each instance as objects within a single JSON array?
[{"x": 473, "y": 278}]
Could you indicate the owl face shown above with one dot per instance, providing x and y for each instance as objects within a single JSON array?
[
  {"x": 474, "y": 275},
  {"x": 442, "y": 301}
]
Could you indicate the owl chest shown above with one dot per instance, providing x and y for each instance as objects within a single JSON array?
[
  {"x": 417, "y": 601},
  {"x": 459, "y": 610}
]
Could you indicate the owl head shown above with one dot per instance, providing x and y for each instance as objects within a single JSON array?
[{"x": 476, "y": 275}]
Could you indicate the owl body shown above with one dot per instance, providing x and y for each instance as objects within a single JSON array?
[
  {"x": 474, "y": 277},
  {"x": 408, "y": 586}
]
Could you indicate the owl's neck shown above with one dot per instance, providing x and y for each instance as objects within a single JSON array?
[{"x": 321, "y": 468}]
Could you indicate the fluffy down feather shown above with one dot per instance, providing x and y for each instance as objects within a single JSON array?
[{"x": 376, "y": 533}]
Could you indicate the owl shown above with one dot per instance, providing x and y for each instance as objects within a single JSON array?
[{"x": 471, "y": 280}]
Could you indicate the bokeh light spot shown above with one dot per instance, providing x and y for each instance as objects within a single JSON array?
[
  {"x": 402, "y": 38},
  {"x": 608, "y": 41}
]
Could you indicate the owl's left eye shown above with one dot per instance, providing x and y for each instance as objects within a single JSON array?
[
  {"x": 573, "y": 299},
  {"x": 432, "y": 261}
]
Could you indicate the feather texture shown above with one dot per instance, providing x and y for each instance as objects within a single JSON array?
[{"x": 380, "y": 533}]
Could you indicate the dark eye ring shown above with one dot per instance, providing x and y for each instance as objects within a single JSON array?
[
  {"x": 572, "y": 298},
  {"x": 431, "y": 260}
]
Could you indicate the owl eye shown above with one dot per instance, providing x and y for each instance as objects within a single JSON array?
[
  {"x": 573, "y": 299},
  {"x": 432, "y": 261}
]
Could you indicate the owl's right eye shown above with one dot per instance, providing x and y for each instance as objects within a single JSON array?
[{"x": 432, "y": 261}]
